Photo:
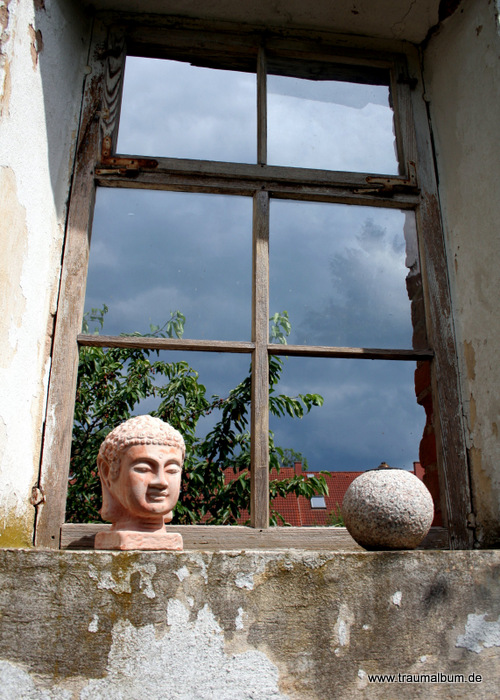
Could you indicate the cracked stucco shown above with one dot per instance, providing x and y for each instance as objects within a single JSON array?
[
  {"x": 313, "y": 625},
  {"x": 34, "y": 180},
  {"x": 462, "y": 68},
  {"x": 480, "y": 633}
]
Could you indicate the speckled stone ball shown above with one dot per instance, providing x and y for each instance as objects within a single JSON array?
[{"x": 387, "y": 509}]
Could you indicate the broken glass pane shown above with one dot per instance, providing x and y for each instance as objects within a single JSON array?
[
  {"x": 177, "y": 110},
  {"x": 330, "y": 125}
]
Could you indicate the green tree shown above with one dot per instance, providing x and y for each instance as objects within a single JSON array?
[
  {"x": 290, "y": 456},
  {"x": 113, "y": 382},
  {"x": 335, "y": 518}
]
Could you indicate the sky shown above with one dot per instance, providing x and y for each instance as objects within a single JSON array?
[{"x": 338, "y": 270}]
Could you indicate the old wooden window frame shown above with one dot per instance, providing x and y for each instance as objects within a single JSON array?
[{"x": 414, "y": 189}]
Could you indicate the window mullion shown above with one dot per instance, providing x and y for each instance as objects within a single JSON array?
[
  {"x": 261, "y": 107},
  {"x": 259, "y": 507}
]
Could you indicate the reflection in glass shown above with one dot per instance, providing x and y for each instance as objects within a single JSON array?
[
  {"x": 340, "y": 273},
  {"x": 153, "y": 253},
  {"x": 369, "y": 414},
  {"x": 330, "y": 125},
  {"x": 174, "y": 109}
]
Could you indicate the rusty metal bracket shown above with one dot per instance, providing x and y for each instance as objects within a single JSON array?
[
  {"x": 37, "y": 496},
  {"x": 391, "y": 185},
  {"x": 125, "y": 166},
  {"x": 111, "y": 165},
  {"x": 404, "y": 79}
]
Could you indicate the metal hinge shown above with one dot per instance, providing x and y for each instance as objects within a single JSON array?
[
  {"x": 404, "y": 79},
  {"x": 391, "y": 185},
  {"x": 125, "y": 166},
  {"x": 110, "y": 165},
  {"x": 37, "y": 496},
  {"x": 471, "y": 521}
]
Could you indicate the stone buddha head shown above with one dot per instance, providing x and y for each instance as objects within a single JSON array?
[{"x": 140, "y": 467}]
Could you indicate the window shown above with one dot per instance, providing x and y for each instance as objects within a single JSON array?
[
  {"x": 292, "y": 83},
  {"x": 318, "y": 502}
]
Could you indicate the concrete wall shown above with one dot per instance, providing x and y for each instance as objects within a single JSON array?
[
  {"x": 43, "y": 54},
  {"x": 462, "y": 83},
  {"x": 236, "y": 626}
]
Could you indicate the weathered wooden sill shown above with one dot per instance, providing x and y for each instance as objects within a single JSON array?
[{"x": 224, "y": 537}]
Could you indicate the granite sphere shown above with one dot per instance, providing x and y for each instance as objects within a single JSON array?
[{"x": 387, "y": 509}]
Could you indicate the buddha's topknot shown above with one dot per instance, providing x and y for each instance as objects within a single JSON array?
[{"x": 140, "y": 430}]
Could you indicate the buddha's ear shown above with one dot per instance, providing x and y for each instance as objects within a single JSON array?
[
  {"x": 111, "y": 509},
  {"x": 104, "y": 470}
]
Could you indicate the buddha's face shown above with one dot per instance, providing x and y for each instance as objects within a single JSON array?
[{"x": 149, "y": 480}]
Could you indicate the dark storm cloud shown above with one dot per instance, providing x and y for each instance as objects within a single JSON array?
[
  {"x": 182, "y": 111},
  {"x": 157, "y": 252}
]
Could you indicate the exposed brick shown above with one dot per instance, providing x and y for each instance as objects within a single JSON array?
[
  {"x": 413, "y": 284},
  {"x": 431, "y": 480},
  {"x": 425, "y": 400},
  {"x": 419, "y": 338},
  {"x": 427, "y": 450},
  {"x": 417, "y": 309},
  {"x": 422, "y": 377}
]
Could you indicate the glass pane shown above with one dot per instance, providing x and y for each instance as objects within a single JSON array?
[
  {"x": 154, "y": 253},
  {"x": 339, "y": 271},
  {"x": 330, "y": 125},
  {"x": 174, "y": 109},
  {"x": 193, "y": 392},
  {"x": 369, "y": 415}
]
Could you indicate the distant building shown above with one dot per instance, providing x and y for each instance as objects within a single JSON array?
[{"x": 300, "y": 511}]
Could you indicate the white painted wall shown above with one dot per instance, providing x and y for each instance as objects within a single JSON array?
[
  {"x": 43, "y": 56},
  {"x": 462, "y": 76}
]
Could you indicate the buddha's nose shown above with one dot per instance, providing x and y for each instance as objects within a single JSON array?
[{"x": 160, "y": 481}]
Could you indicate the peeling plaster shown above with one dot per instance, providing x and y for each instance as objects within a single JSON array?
[
  {"x": 140, "y": 664},
  {"x": 396, "y": 598},
  {"x": 119, "y": 581},
  {"x": 479, "y": 634},
  {"x": 243, "y": 580},
  {"x": 199, "y": 560},
  {"x": 36, "y": 45},
  {"x": 342, "y": 629},
  {"x": 13, "y": 248},
  {"x": 304, "y": 632},
  {"x": 182, "y": 573},
  {"x": 461, "y": 72},
  {"x": 16, "y": 683},
  {"x": 239, "y": 622},
  {"x": 362, "y": 680},
  {"x": 5, "y": 82},
  {"x": 43, "y": 48}
]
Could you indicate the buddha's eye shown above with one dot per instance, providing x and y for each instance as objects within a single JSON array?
[
  {"x": 141, "y": 469},
  {"x": 172, "y": 470}
]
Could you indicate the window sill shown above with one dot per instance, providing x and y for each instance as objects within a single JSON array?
[{"x": 230, "y": 537}]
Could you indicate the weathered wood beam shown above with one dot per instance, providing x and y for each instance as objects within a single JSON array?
[{"x": 233, "y": 537}]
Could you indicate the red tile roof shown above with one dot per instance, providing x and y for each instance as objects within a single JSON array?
[{"x": 298, "y": 511}]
